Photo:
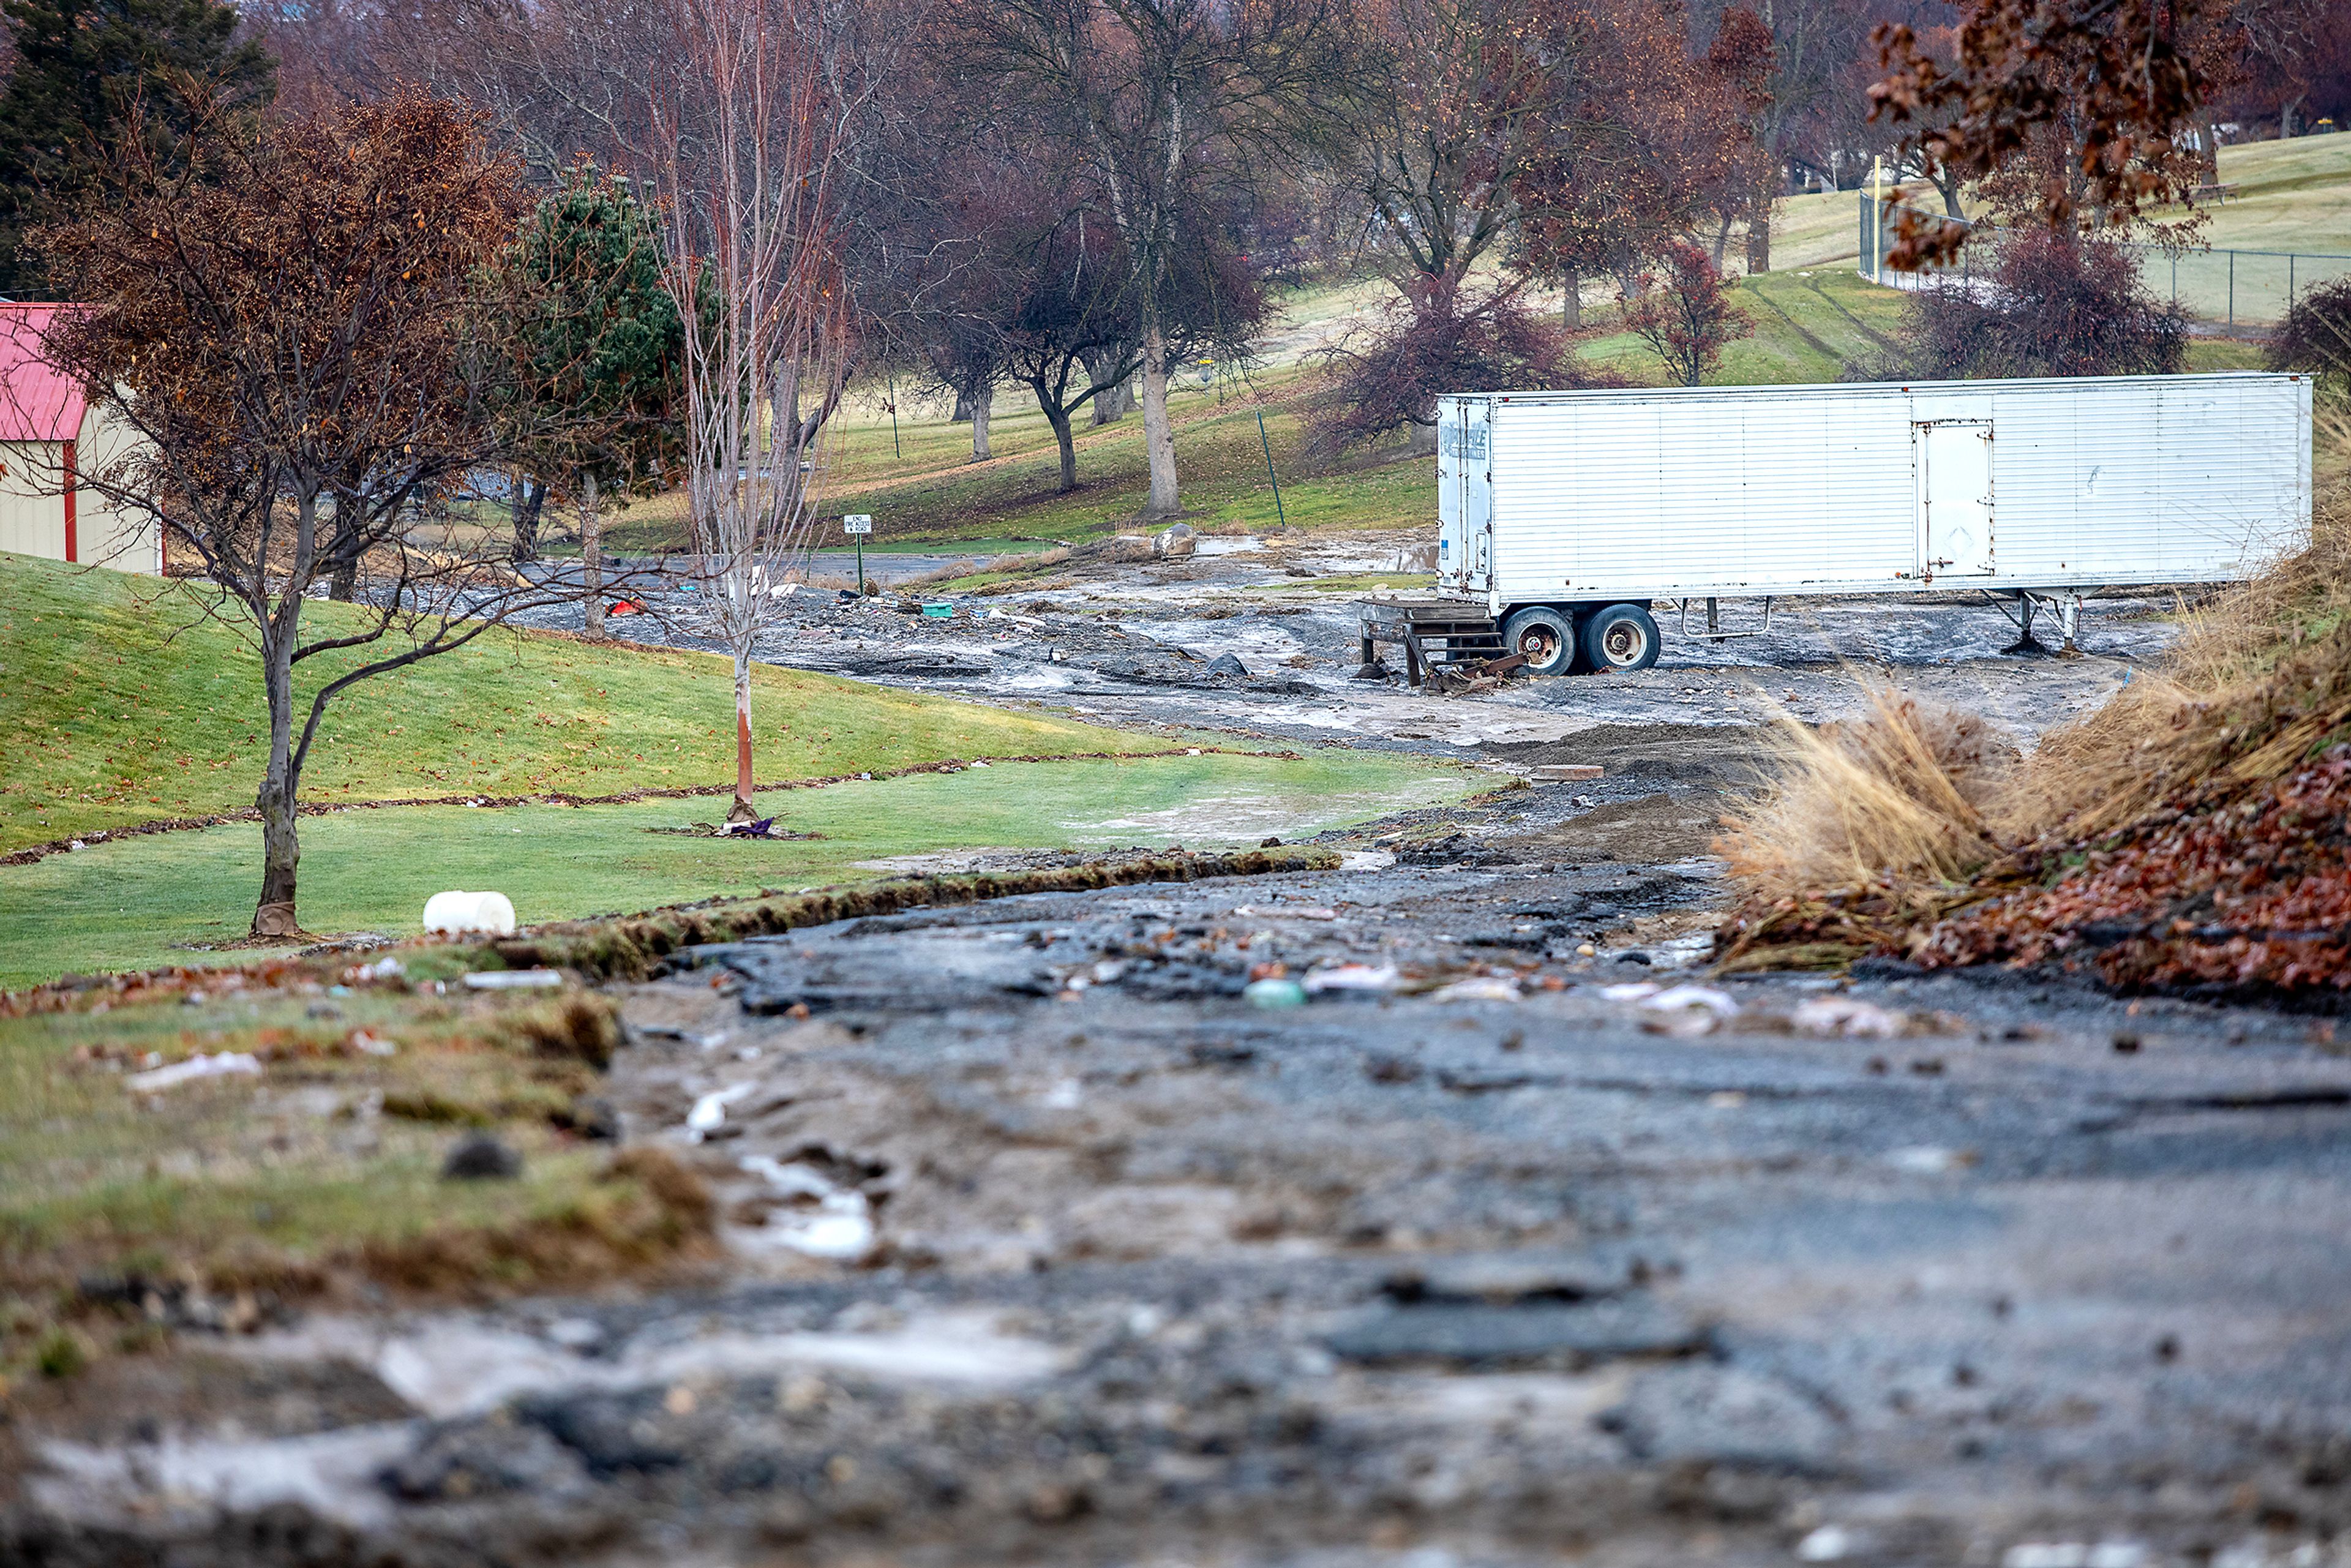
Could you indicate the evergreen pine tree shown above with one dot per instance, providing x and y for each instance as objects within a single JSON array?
[{"x": 83, "y": 66}]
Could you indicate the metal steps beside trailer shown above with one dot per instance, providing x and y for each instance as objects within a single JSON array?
[{"x": 1434, "y": 633}]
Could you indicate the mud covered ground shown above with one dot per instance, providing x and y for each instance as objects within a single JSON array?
[
  {"x": 1485, "y": 1230},
  {"x": 1139, "y": 642}
]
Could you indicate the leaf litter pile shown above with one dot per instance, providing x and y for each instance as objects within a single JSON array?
[{"x": 2204, "y": 851}]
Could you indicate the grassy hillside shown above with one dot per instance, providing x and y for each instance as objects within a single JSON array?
[
  {"x": 118, "y": 705},
  {"x": 2290, "y": 196}
]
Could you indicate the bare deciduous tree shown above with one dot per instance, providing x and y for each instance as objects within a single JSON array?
[
  {"x": 1161, "y": 99},
  {"x": 748, "y": 156}
]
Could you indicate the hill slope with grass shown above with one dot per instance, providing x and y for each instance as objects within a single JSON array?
[{"x": 120, "y": 703}]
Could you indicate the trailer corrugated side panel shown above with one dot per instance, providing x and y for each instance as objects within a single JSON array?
[
  {"x": 2141, "y": 479},
  {"x": 1676, "y": 488},
  {"x": 1790, "y": 489}
]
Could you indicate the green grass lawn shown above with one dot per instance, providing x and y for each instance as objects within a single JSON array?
[
  {"x": 135, "y": 902},
  {"x": 2290, "y": 196},
  {"x": 115, "y": 709}
]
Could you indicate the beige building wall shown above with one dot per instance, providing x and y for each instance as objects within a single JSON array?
[{"x": 33, "y": 503}]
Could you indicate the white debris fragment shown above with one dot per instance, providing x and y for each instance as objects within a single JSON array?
[
  {"x": 1719, "y": 1003},
  {"x": 1829, "y": 1543},
  {"x": 1476, "y": 990},
  {"x": 1366, "y": 860},
  {"x": 2073, "y": 1554},
  {"x": 1846, "y": 1017},
  {"x": 1354, "y": 978},
  {"x": 1929, "y": 1159},
  {"x": 709, "y": 1113},
  {"x": 1064, "y": 1095},
  {"x": 1630, "y": 991},
  {"x": 461, "y": 914},
  {"x": 223, "y": 1064},
  {"x": 513, "y": 980}
]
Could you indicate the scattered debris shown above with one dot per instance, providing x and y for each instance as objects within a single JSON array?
[
  {"x": 513, "y": 980},
  {"x": 227, "y": 1063}
]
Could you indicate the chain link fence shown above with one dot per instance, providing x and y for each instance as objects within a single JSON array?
[{"x": 2222, "y": 286}]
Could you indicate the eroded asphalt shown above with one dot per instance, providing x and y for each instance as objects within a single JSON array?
[{"x": 1513, "y": 1239}]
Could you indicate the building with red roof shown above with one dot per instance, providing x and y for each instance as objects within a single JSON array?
[{"x": 52, "y": 433}]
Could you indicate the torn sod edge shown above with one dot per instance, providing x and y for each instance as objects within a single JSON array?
[
  {"x": 628, "y": 947},
  {"x": 33, "y": 853}
]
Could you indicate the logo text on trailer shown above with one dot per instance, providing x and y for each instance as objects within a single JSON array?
[{"x": 1462, "y": 440}]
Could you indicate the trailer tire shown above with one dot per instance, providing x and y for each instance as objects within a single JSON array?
[
  {"x": 1619, "y": 637},
  {"x": 1547, "y": 638}
]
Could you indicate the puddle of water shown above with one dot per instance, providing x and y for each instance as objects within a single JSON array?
[
  {"x": 1245, "y": 818},
  {"x": 1204, "y": 544},
  {"x": 331, "y": 1473}
]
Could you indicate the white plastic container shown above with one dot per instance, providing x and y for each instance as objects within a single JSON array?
[{"x": 1576, "y": 502}]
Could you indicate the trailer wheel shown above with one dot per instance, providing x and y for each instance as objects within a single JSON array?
[
  {"x": 1621, "y": 637},
  {"x": 1547, "y": 638}
]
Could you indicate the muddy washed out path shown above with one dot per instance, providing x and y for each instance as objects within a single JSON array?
[
  {"x": 1134, "y": 642},
  {"x": 1049, "y": 1244},
  {"x": 1435, "y": 1211}
]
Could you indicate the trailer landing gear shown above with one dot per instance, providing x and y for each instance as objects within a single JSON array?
[{"x": 2068, "y": 607}]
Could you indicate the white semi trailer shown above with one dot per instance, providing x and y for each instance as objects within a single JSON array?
[{"x": 1566, "y": 518}]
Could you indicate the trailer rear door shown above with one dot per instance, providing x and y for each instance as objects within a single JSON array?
[{"x": 1955, "y": 497}]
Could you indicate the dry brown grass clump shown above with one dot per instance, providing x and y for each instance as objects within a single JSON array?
[{"x": 1865, "y": 820}]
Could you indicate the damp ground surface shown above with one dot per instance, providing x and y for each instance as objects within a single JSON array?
[
  {"x": 1436, "y": 1209},
  {"x": 1504, "y": 1238}
]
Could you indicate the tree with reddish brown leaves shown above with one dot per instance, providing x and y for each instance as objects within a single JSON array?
[
  {"x": 297, "y": 325},
  {"x": 1427, "y": 343},
  {"x": 2114, "y": 84},
  {"x": 1682, "y": 310},
  {"x": 2057, "y": 304}
]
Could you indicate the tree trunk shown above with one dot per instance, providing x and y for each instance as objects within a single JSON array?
[
  {"x": 528, "y": 497},
  {"x": 1721, "y": 241},
  {"x": 1060, "y": 420},
  {"x": 591, "y": 556},
  {"x": 2285, "y": 117},
  {"x": 343, "y": 551},
  {"x": 1759, "y": 228},
  {"x": 1158, "y": 436},
  {"x": 962, "y": 413},
  {"x": 742, "y": 810},
  {"x": 281, "y": 851},
  {"x": 1421, "y": 439},
  {"x": 1570, "y": 307},
  {"x": 1116, "y": 399},
  {"x": 982, "y": 405}
]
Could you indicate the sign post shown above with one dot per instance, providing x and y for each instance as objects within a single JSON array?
[{"x": 857, "y": 525}]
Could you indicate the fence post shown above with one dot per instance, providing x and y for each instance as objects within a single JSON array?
[
  {"x": 2175, "y": 281},
  {"x": 2233, "y": 288},
  {"x": 2289, "y": 280}
]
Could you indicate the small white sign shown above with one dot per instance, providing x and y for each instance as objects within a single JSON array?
[{"x": 857, "y": 523}]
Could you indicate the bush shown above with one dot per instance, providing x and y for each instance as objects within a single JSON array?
[
  {"x": 1681, "y": 313},
  {"x": 2316, "y": 336},
  {"x": 1431, "y": 341},
  {"x": 2057, "y": 304}
]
